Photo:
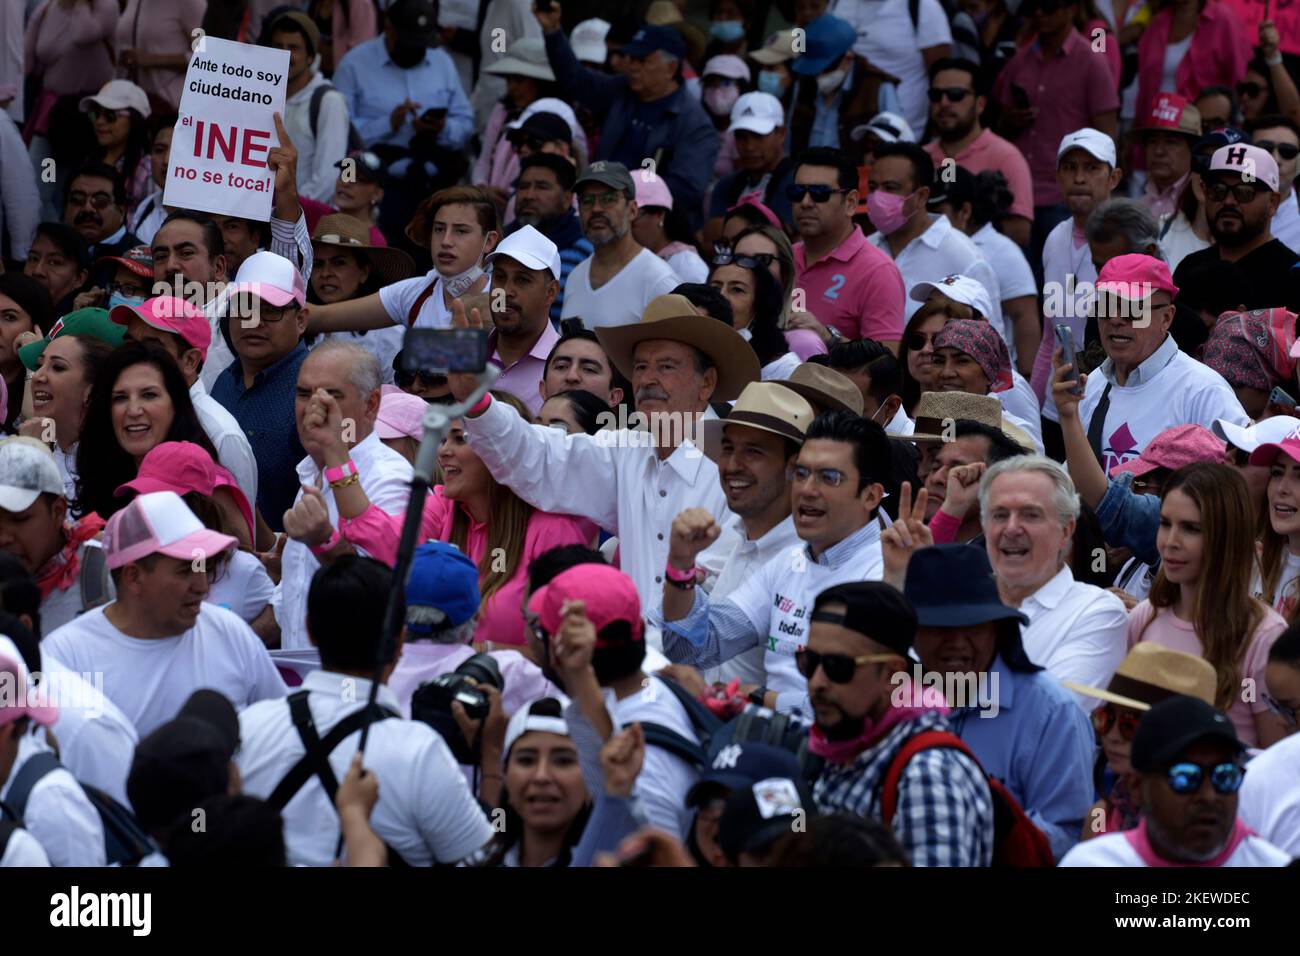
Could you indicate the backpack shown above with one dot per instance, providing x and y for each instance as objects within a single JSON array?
[
  {"x": 1016, "y": 841},
  {"x": 126, "y": 842},
  {"x": 355, "y": 142},
  {"x": 7, "y": 828}
]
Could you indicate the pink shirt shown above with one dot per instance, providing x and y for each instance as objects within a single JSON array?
[
  {"x": 1179, "y": 635},
  {"x": 856, "y": 289},
  {"x": 990, "y": 151},
  {"x": 1218, "y": 55},
  {"x": 315, "y": 211},
  {"x": 500, "y": 620},
  {"x": 71, "y": 47},
  {"x": 1068, "y": 90},
  {"x": 522, "y": 378},
  {"x": 159, "y": 27}
]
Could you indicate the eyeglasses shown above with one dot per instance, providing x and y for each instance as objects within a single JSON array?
[
  {"x": 405, "y": 379},
  {"x": 122, "y": 288},
  {"x": 534, "y": 625},
  {"x": 98, "y": 200},
  {"x": 820, "y": 192},
  {"x": 839, "y": 668},
  {"x": 1108, "y": 715},
  {"x": 1242, "y": 192},
  {"x": 99, "y": 112},
  {"x": 916, "y": 341},
  {"x": 1186, "y": 778},
  {"x": 606, "y": 200},
  {"x": 759, "y": 260},
  {"x": 832, "y": 477},
  {"x": 1285, "y": 150},
  {"x": 524, "y": 141},
  {"x": 1287, "y": 713},
  {"x": 1250, "y": 89},
  {"x": 953, "y": 94}
]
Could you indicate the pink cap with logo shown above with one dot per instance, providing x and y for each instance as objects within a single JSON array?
[
  {"x": 169, "y": 314},
  {"x": 182, "y": 467},
  {"x": 1290, "y": 446},
  {"x": 608, "y": 593},
  {"x": 270, "y": 277},
  {"x": 1135, "y": 277},
  {"x": 1173, "y": 448},
  {"x": 159, "y": 523},
  {"x": 1246, "y": 161}
]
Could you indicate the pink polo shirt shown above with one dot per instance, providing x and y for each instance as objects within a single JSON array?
[
  {"x": 856, "y": 289},
  {"x": 988, "y": 150},
  {"x": 522, "y": 378},
  {"x": 1218, "y": 54}
]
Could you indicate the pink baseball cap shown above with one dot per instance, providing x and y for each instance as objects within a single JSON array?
[
  {"x": 609, "y": 594},
  {"x": 401, "y": 415},
  {"x": 182, "y": 467},
  {"x": 1173, "y": 448},
  {"x": 1135, "y": 277},
  {"x": 651, "y": 190},
  {"x": 23, "y": 700},
  {"x": 159, "y": 523},
  {"x": 270, "y": 277},
  {"x": 1267, "y": 452},
  {"x": 767, "y": 213},
  {"x": 169, "y": 314},
  {"x": 1249, "y": 162}
]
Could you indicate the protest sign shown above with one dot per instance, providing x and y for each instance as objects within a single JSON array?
[
  {"x": 225, "y": 130},
  {"x": 1285, "y": 14}
]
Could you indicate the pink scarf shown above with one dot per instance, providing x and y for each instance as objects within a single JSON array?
[
  {"x": 61, "y": 570},
  {"x": 1141, "y": 844},
  {"x": 905, "y": 704}
]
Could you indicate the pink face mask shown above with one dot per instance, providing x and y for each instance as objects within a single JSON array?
[{"x": 886, "y": 211}]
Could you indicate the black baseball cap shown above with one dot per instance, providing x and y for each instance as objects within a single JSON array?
[
  {"x": 873, "y": 609},
  {"x": 177, "y": 767},
  {"x": 415, "y": 17},
  {"x": 1173, "y": 725},
  {"x": 649, "y": 39},
  {"x": 760, "y": 812},
  {"x": 542, "y": 126},
  {"x": 741, "y": 764}
]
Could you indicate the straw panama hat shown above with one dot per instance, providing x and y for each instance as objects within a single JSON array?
[
  {"x": 1151, "y": 673},
  {"x": 767, "y": 406}
]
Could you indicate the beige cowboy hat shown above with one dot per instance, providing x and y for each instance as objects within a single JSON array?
[
  {"x": 767, "y": 406},
  {"x": 1152, "y": 672},
  {"x": 672, "y": 317},
  {"x": 1018, "y": 435},
  {"x": 826, "y": 388},
  {"x": 936, "y": 409},
  {"x": 338, "y": 229}
]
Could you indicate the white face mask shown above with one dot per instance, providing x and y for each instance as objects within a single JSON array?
[
  {"x": 828, "y": 83},
  {"x": 458, "y": 284}
]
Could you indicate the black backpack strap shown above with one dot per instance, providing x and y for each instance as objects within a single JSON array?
[
  {"x": 33, "y": 771},
  {"x": 93, "y": 578},
  {"x": 7, "y": 828},
  {"x": 914, "y": 11},
  {"x": 665, "y": 738},
  {"x": 317, "y": 95}
]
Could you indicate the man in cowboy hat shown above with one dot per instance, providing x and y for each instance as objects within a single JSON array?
[
  {"x": 630, "y": 482},
  {"x": 825, "y": 388},
  {"x": 1022, "y": 726},
  {"x": 837, "y": 484},
  {"x": 937, "y": 415}
]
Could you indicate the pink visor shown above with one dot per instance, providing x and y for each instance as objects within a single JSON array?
[
  {"x": 182, "y": 467},
  {"x": 767, "y": 213},
  {"x": 169, "y": 314}
]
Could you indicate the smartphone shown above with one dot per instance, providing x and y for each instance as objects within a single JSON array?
[
  {"x": 1279, "y": 396},
  {"x": 1066, "y": 341},
  {"x": 445, "y": 350},
  {"x": 1020, "y": 97}
]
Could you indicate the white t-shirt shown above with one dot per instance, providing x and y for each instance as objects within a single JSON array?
[
  {"x": 23, "y": 850},
  {"x": 61, "y": 606},
  {"x": 1286, "y": 223},
  {"x": 151, "y": 679},
  {"x": 1288, "y": 585},
  {"x": 67, "y": 462},
  {"x": 244, "y": 586},
  {"x": 1015, "y": 277},
  {"x": 1180, "y": 240},
  {"x": 1270, "y": 796},
  {"x": 781, "y": 368},
  {"x": 664, "y": 778},
  {"x": 621, "y": 300},
  {"x": 398, "y": 298},
  {"x": 383, "y": 344},
  {"x": 689, "y": 266},
  {"x": 1020, "y": 401},
  {"x": 1116, "y": 849}
]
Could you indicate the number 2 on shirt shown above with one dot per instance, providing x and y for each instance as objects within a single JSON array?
[{"x": 837, "y": 283}]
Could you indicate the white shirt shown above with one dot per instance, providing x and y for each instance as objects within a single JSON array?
[
  {"x": 151, "y": 678},
  {"x": 887, "y": 39},
  {"x": 688, "y": 266},
  {"x": 244, "y": 586},
  {"x": 149, "y": 217},
  {"x": 23, "y": 850},
  {"x": 96, "y": 739},
  {"x": 1169, "y": 388},
  {"x": 622, "y": 299},
  {"x": 234, "y": 453},
  {"x": 1286, "y": 222},
  {"x": 742, "y": 564},
  {"x": 61, "y": 606},
  {"x": 422, "y": 661},
  {"x": 611, "y": 478},
  {"x": 425, "y": 810},
  {"x": 1069, "y": 275},
  {"x": 780, "y": 368},
  {"x": 385, "y": 478},
  {"x": 59, "y": 815},
  {"x": 1020, "y": 402},
  {"x": 383, "y": 344},
  {"x": 1114, "y": 849},
  {"x": 1179, "y": 240},
  {"x": 1077, "y": 631},
  {"x": 320, "y": 148},
  {"x": 399, "y": 297},
  {"x": 942, "y": 251},
  {"x": 1015, "y": 277},
  {"x": 20, "y": 200},
  {"x": 67, "y": 462},
  {"x": 1269, "y": 800}
]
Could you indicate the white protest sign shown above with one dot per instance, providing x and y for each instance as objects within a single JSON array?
[{"x": 225, "y": 130}]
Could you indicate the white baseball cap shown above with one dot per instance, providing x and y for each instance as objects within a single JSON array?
[
  {"x": 757, "y": 113},
  {"x": 1246, "y": 160},
  {"x": 160, "y": 523},
  {"x": 1270, "y": 431},
  {"x": 728, "y": 65},
  {"x": 530, "y": 248},
  {"x": 1092, "y": 141},
  {"x": 888, "y": 127},
  {"x": 27, "y": 469},
  {"x": 270, "y": 277},
  {"x": 959, "y": 288},
  {"x": 118, "y": 95},
  {"x": 587, "y": 40}
]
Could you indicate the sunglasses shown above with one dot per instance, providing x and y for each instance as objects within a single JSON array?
[
  {"x": 1250, "y": 89},
  {"x": 1108, "y": 715},
  {"x": 1289, "y": 714},
  {"x": 108, "y": 116},
  {"x": 916, "y": 341},
  {"x": 1242, "y": 192},
  {"x": 839, "y": 668},
  {"x": 1285, "y": 150},
  {"x": 405, "y": 379},
  {"x": 759, "y": 260},
  {"x": 953, "y": 94},
  {"x": 97, "y": 200},
  {"x": 819, "y": 192},
  {"x": 1186, "y": 778}
]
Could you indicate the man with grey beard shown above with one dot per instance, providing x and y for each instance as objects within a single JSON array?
[
  {"x": 544, "y": 200},
  {"x": 616, "y": 284}
]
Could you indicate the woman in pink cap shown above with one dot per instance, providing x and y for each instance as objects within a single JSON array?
[
  {"x": 1278, "y": 581},
  {"x": 497, "y": 529},
  {"x": 1200, "y": 602},
  {"x": 400, "y": 424},
  {"x": 663, "y": 231}
]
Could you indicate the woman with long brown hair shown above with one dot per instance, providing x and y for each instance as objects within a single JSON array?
[
  {"x": 499, "y": 531},
  {"x": 1278, "y": 583},
  {"x": 1200, "y": 602}
]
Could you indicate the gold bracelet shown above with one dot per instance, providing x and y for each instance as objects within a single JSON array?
[{"x": 351, "y": 479}]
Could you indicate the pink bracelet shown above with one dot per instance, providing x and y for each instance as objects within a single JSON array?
[
  {"x": 481, "y": 405},
  {"x": 943, "y": 528},
  {"x": 679, "y": 576},
  {"x": 340, "y": 472}
]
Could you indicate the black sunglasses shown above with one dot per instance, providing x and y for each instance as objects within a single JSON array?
[
  {"x": 1242, "y": 192},
  {"x": 759, "y": 260},
  {"x": 819, "y": 192},
  {"x": 839, "y": 668},
  {"x": 1285, "y": 150},
  {"x": 1250, "y": 89},
  {"x": 953, "y": 94},
  {"x": 405, "y": 379},
  {"x": 915, "y": 341}
]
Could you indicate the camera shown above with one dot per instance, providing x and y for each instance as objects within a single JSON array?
[{"x": 432, "y": 700}]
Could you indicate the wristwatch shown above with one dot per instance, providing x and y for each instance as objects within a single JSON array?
[
  {"x": 758, "y": 696},
  {"x": 836, "y": 338}
]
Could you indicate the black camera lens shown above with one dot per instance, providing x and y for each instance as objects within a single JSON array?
[{"x": 484, "y": 669}]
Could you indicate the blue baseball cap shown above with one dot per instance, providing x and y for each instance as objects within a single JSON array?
[
  {"x": 442, "y": 590},
  {"x": 741, "y": 764},
  {"x": 648, "y": 39},
  {"x": 826, "y": 40}
]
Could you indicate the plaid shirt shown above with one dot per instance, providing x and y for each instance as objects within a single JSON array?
[{"x": 944, "y": 814}]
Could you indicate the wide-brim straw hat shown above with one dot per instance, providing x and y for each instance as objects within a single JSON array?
[
  {"x": 826, "y": 388},
  {"x": 936, "y": 410},
  {"x": 1151, "y": 673},
  {"x": 388, "y": 265},
  {"x": 767, "y": 406}
]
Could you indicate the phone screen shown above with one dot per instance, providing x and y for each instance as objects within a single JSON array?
[{"x": 445, "y": 350}]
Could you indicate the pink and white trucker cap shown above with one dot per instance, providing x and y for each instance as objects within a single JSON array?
[
  {"x": 270, "y": 277},
  {"x": 160, "y": 523}
]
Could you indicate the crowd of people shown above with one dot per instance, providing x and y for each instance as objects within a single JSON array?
[{"x": 889, "y": 459}]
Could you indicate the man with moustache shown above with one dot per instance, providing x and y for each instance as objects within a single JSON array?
[
  {"x": 95, "y": 206},
  {"x": 1241, "y": 197},
  {"x": 544, "y": 200}
]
